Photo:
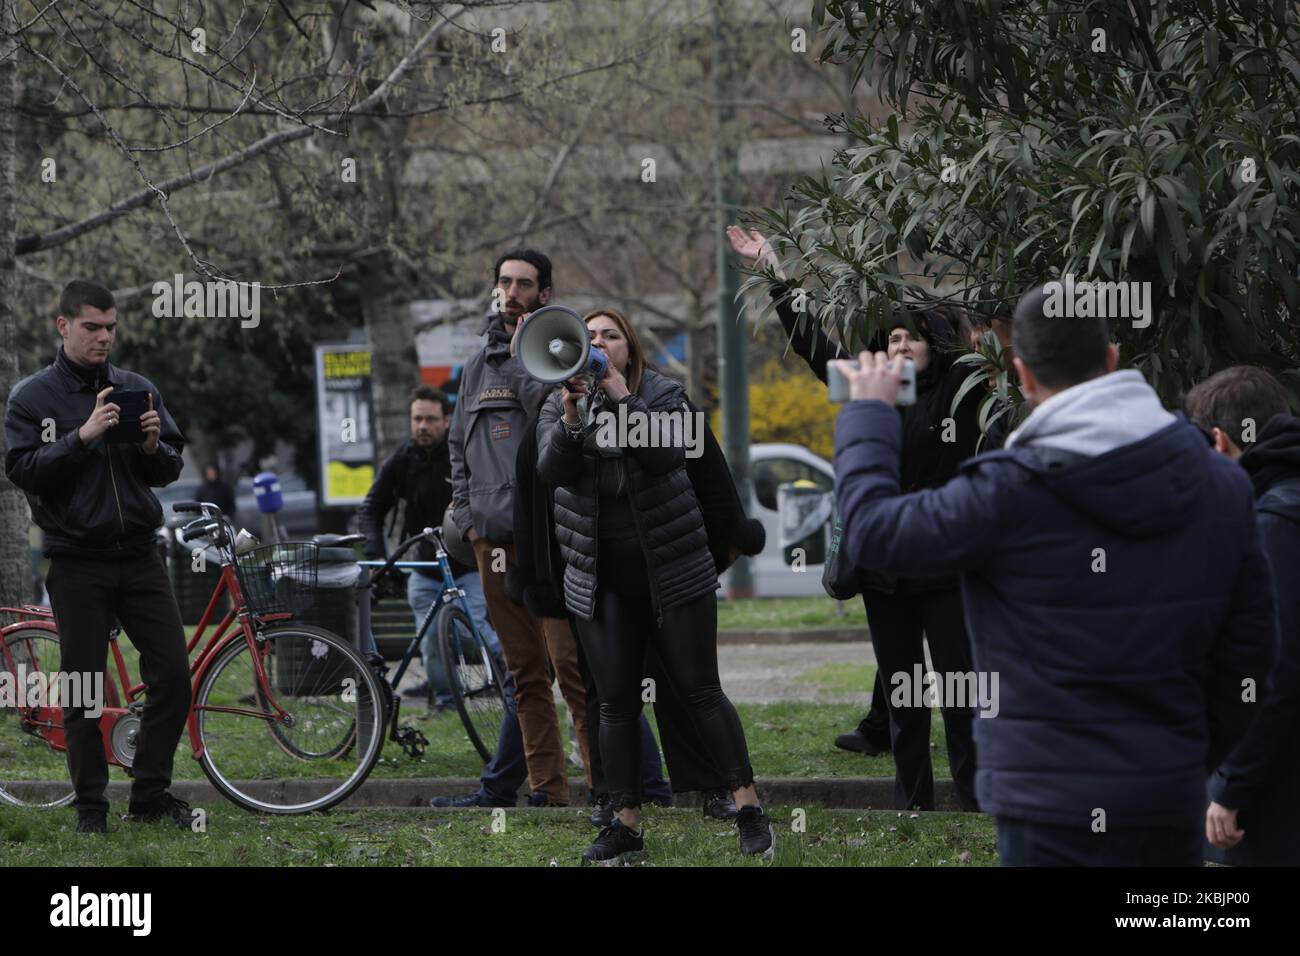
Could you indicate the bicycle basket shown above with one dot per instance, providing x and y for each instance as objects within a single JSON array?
[{"x": 276, "y": 578}]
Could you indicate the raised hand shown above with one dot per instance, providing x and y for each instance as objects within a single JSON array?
[
  {"x": 151, "y": 425},
  {"x": 749, "y": 245},
  {"x": 103, "y": 417}
]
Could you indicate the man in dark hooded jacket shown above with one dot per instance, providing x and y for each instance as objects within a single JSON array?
[
  {"x": 1255, "y": 793},
  {"x": 1116, "y": 589}
]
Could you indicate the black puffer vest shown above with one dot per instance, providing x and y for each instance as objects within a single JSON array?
[{"x": 669, "y": 523}]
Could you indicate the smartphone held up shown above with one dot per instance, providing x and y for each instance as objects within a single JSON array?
[{"x": 838, "y": 390}]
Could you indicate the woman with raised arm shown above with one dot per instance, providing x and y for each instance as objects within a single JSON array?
[
  {"x": 900, "y": 610},
  {"x": 638, "y": 571}
]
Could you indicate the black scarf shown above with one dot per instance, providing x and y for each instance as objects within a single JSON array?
[{"x": 1275, "y": 456}]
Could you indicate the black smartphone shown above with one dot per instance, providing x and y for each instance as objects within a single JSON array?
[{"x": 133, "y": 403}]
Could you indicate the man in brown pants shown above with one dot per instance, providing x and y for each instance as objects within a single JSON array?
[{"x": 497, "y": 400}]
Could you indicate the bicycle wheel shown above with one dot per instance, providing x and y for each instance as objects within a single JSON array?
[
  {"x": 32, "y": 773},
  {"x": 295, "y": 748},
  {"x": 476, "y": 676},
  {"x": 322, "y": 747}
]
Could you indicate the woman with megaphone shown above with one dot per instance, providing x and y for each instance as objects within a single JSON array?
[{"x": 638, "y": 572}]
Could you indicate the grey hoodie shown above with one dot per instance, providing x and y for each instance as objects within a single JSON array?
[{"x": 1094, "y": 417}]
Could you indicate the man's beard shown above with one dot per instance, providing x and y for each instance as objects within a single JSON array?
[{"x": 512, "y": 319}]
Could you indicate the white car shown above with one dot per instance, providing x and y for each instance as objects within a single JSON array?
[{"x": 770, "y": 466}]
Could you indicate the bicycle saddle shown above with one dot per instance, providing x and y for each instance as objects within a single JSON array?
[{"x": 336, "y": 540}]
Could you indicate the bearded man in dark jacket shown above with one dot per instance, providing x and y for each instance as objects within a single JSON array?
[{"x": 418, "y": 475}]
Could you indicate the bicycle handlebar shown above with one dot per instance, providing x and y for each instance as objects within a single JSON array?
[
  {"x": 402, "y": 548},
  {"x": 199, "y": 528},
  {"x": 207, "y": 508}
]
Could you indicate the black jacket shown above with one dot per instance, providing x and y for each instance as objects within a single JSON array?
[
  {"x": 670, "y": 526},
  {"x": 1261, "y": 777},
  {"x": 90, "y": 500},
  {"x": 928, "y": 461},
  {"x": 221, "y": 495},
  {"x": 535, "y": 580},
  {"x": 420, "y": 477}
]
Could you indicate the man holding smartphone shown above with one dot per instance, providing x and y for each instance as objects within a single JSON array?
[{"x": 87, "y": 463}]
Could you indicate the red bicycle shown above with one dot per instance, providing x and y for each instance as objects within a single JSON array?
[{"x": 284, "y": 717}]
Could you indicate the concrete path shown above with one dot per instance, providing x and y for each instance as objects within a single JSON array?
[{"x": 769, "y": 673}]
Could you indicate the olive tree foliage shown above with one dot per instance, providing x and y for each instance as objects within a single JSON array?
[{"x": 1150, "y": 141}]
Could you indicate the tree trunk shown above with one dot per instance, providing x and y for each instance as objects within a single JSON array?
[
  {"x": 15, "y": 568},
  {"x": 698, "y": 333},
  {"x": 393, "y": 369}
]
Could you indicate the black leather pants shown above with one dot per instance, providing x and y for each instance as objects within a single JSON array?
[{"x": 615, "y": 642}]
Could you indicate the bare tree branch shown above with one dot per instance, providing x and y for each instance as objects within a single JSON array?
[{"x": 33, "y": 243}]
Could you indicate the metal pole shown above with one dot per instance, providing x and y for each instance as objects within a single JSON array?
[{"x": 733, "y": 371}]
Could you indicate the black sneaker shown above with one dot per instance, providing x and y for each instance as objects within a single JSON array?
[
  {"x": 719, "y": 805},
  {"x": 602, "y": 811},
  {"x": 165, "y": 807},
  {"x": 476, "y": 799},
  {"x": 92, "y": 821},
  {"x": 417, "y": 691},
  {"x": 859, "y": 743},
  {"x": 756, "y": 833},
  {"x": 615, "y": 845}
]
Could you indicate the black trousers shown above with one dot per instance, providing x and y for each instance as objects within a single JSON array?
[
  {"x": 87, "y": 594},
  {"x": 897, "y": 623},
  {"x": 1021, "y": 843},
  {"x": 615, "y": 643},
  {"x": 690, "y": 768},
  {"x": 875, "y": 726}
]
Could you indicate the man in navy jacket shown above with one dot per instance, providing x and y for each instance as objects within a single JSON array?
[
  {"x": 1254, "y": 794},
  {"x": 1114, "y": 584}
]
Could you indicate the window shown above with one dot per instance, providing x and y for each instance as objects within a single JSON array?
[{"x": 769, "y": 473}]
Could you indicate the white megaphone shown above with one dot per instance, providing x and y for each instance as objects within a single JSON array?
[{"x": 554, "y": 345}]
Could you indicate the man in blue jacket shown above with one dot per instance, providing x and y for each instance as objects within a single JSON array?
[
  {"x": 1254, "y": 794},
  {"x": 1115, "y": 587}
]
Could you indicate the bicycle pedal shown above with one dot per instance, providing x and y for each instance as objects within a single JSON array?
[{"x": 136, "y": 708}]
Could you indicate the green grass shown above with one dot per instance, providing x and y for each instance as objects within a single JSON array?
[
  {"x": 674, "y": 837},
  {"x": 792, "y": 739},
  {"x": 790, "y": 614}
]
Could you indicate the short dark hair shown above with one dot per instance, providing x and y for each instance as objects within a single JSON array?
[
  {"x": 82, "y": 292},
  {"x": 427, "y": 393},
  {"x": 1228, "y": 399},
  {"x": 537, "y": 260},
  {"x": 1061, "y": 351}
]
